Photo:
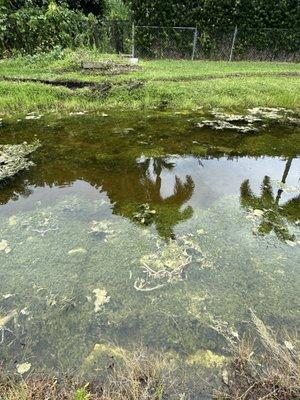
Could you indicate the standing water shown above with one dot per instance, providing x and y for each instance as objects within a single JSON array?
[{"x": 145, "y": 230}]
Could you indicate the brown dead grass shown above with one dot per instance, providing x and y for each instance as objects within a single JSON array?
[
  {"x": 142, "y": 376},
  {"x": 271, "y": 374}
]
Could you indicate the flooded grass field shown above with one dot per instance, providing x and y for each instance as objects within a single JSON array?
[{"x": 146, "y": 230}]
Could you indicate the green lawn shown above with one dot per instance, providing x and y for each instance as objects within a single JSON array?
[{"x": 170, "y": 84}]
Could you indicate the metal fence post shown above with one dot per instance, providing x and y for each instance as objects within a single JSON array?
[
  {"x": 133, "y": 41},
  {"x": 233, "y": 43},
  {"x": 195, "y": 44}
]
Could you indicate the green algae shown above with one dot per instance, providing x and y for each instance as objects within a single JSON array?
[
  {"x": 57, "y": 290},
  {"x": 81, "y": 240},
  {"x": 206, "y": 359}
]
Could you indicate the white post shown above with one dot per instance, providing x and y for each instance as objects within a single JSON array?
[
  {"x": 133, "y": 41},
  {"x": 233, "y": 43},
  {"x": 195, "y": 44}
]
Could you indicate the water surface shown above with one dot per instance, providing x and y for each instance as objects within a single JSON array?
[{"x": 224, "y": 238}]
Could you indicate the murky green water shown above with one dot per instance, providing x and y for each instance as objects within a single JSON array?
[{"x": 84, "y": 270}]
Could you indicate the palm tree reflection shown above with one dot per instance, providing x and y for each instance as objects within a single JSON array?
[
  {"x": 275, "y": 216},
  {"x": 147, "y": 187}
]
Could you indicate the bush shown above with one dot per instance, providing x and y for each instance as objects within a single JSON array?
[{"x": 32, "y": 29}]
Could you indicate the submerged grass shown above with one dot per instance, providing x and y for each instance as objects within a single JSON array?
[{"x": 156, "y": 84}]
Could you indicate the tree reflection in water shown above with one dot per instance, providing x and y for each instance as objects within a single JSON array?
[
  {"x": 275, "y": 215},
  {"x": 146, "y": 187},
  {"x": 127, "y": 185}
]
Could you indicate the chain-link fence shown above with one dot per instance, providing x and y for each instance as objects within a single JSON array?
[
  {"x": 267, "y": 44},
  {"x": 157, "y": 42},
  {"x": 113, "y": 37}
]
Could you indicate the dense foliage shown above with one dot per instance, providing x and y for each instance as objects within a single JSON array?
[
  {"x": 40, "y": 28},
  {"x": 211, "y": 14},
  {"x": 268, "y": 28},
  {"x": 96, "y": 7},
  {"x": 30, "y": 26}
]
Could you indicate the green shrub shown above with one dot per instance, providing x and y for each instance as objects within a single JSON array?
[{"x": 37, "y": 29}]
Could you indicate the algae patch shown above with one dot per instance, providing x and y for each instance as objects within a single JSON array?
[
  {"x": 78, "y": 250},
  {"x": 257, "y": 118},
  {"x": 101, "y": 299},
  {"x": 206, "y": 358},
  {"x": 14, "y": 158},
  {"x": 7, "y": 318},
  {"x": 4, "y": 246},
  {"x": 168, "y": 264},
  {"x": 23, "y": 368}
]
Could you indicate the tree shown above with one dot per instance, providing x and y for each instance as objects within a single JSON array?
[{"x": 96, "y": 7}]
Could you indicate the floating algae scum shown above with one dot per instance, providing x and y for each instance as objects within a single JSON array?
[{"x": 153, "y": 229}]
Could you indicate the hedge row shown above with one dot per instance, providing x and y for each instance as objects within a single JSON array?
[
  {"x": 268, "y": 29},
  {"x": 217, "y": 14}
]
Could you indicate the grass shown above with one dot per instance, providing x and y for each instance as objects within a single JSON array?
[
  {"x": 273, "y": 374},
  {"x": 142, "y": 376},
  {"x": 270, "y": 371},
  {"x": 161, "y": 84}
]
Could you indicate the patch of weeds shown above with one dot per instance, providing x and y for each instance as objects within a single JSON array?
[
  {"x": 271, "y": 374},
  {"x": 140, "y": 375},
  {"x": 82, "y": 394}
]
